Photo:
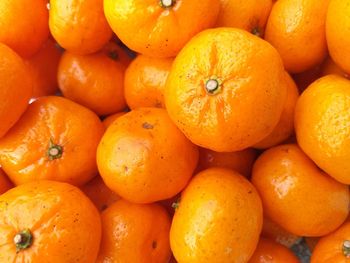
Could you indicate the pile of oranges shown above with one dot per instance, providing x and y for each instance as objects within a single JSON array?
[{"x": 158, "y": 131}]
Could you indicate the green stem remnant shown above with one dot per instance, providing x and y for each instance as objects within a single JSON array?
[
  {"x": 54, "y": 151},
  {"x": 166, "y": 3},
  {"x": 212, "y": 86},
  {"x": 346, "y": 248},
  {"x": 23, "y": 240}
]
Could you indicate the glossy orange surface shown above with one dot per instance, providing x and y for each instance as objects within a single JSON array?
[
  {"x": 322, "y": 125},
  {"x": 246, "y": 73},
  {"x": 135, "y": 233},
  {"x": 55, "y": 139},
  {"x": 144, "y": 157},
  {"x": 218, "y": 219},
  {"x": 64, "y": 224},
  {"x": 297, "y": 195}
]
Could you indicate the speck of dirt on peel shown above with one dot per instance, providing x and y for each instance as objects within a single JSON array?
[
  {"x": 147, "y": 125},
  {"x": 154, "y": 244}
]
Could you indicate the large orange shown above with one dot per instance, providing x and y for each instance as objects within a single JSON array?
[
  {"x": 297, "y": 29},
  {"x": 159, "y": 28},
  {"x": 218, "y": 219},
  {"x": 250, "y": 15},
  {"x": 55, "y": 139},
  {"x": 144, "y": 157},
  {"x": 48, "y": 221},
  {"x": 297, "y": 195},
  {"x": 79, "y": 26},
  {"x": 16, "y": 88},
  {"x": 322, "y": 125},
  {"x": 224, "y": 90},
  {"x": 24, "y": 25},
  {"x": 135, "y": 233}
]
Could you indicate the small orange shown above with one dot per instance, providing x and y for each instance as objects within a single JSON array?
[
  {"x": 297, "y": 195},
  {"x": 159, "y": 28},
  {"x": 337, "y": 32},
  {"x": 48, "y": 221},
  {"x": 224, "y": 89},
  {"x": 250, "y": 15},
  {"x": 322, "y": 125},
  {"x": 241, "y": 161},
  {"x": 144, "y": 157},
  {"x": 24, "y": 25},
  {"x": 333, "y": 248},
  {"x": 285, "y": 126},
  {"x": 55, "y": 139},
  {"x": 269, "y": 251},
  {"x": 16, "y": 88},
  {"x": 111, "y": 118},
  {"x": 99, "y": 193},
  {"x": 135, "y": 233},
  {"x": 274, "y": 232},
  {"x": 329, "y": 67},
  {"x": 5, "y": 183},
  {"x": 297, "y": 29},
  {"x": 145, "y": 80},
  {"x": 219, "y": 219},
  {"x": 95, "y": 81},
  {"x": 43, "y": 67},
  {"x": 79, "y": 26}
]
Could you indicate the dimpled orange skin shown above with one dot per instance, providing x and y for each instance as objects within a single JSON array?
[
  {"x": 269, "y": 251},
  {"x": 144, "y": 157},
  {"x": 322, "y": 125},
  {"x": 16, "y": 88},
  {"x": 99, "y": 193},
  {"x": 250, "y": 15},
  {"x": 285, "y": 126},
  {"x": 65, "y": 225},
  {"x": 147, "y": 27},
  {"x": 5, "y": 183},
  {"x": 330, "y": 67},
  {"x": 337, "y": 32},
  {"x": 111, "y": 118},
  {"x": 285, "y": 179},
  {"x": 24, "y": 25},
  {"x": 94, "y": 81},
  {"x": 145, "y": 80},
  {"x": 43, "y": 67},
  {"x": 219, "y": 219},
  {"x": 233, "y": 58},
  {"x": 291, "y": 25},
  {"x": 330, "y": 248},
  {"x": 79, "y": 26},
  {"x": 241, "y": 161},
  {"x": 52, "y": 122},
  {"x": 135, "y": 233},
  {"x": 274, "y": 232}
]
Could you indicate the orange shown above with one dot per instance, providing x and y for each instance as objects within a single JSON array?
[
  {"x": 333, "y": 248},
  {"x": 269, "y": 251},
  {"x": 43, "y": 67},
  {"x": 145, "y": 80},
  {"x": 159, "y": 28},
  {"x": 55, "y": 139},
  {"x": 215, "y": 100},
  {"x": 297, "y": 195},
  {"x": 144, "y": 157},
  {"x": 5, "y": 183},
  {"x": 219, "y": 219},
  {"x": 337, "y": 32},
  {"x": 99, "y": 193},
  {"x": 94, "y": 81},
  {"x": 79, "y": 26},
  {"x": 135, "y": 233},
  {"x": 297, "y": 29},
  {"x": 250, "y": 15},
  {"x": 330, "y": 67},
  {"x": 24, "y": 25},
  {"x": 48, "y": 221},
  {"x": 274, "y": 232},
  {"x": 16, "y": 88},
  {"x": 285, "y": 126},
  {"x": 241, "y": 161},
  {"x": 322, "y": 125},
  {"x": 111, "y": 118}
]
